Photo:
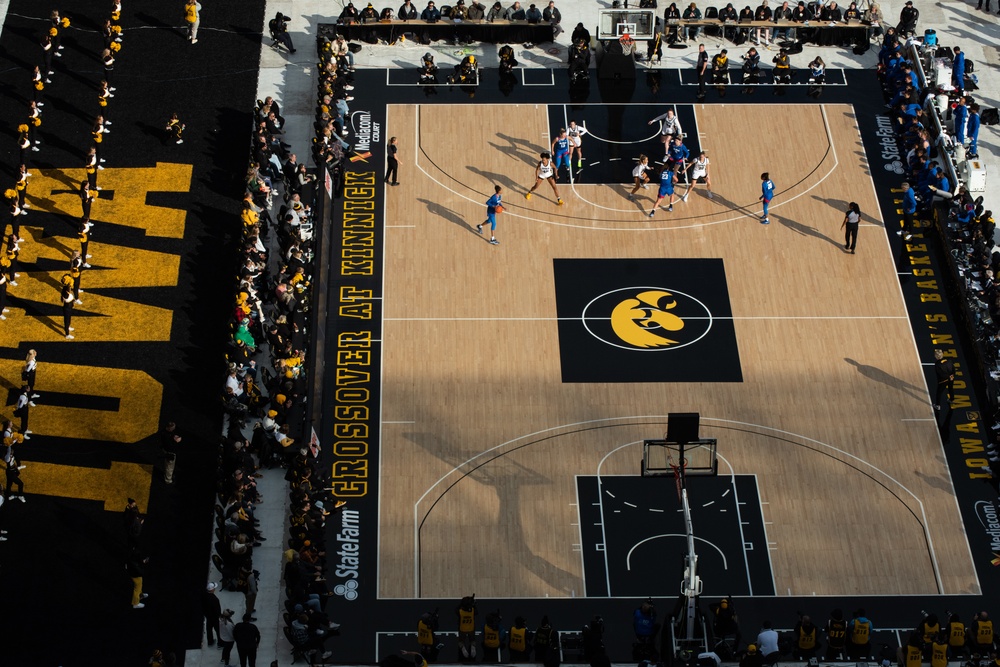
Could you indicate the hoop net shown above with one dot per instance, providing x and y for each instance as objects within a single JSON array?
[
  {"x": 679, "y": 475},
  {"x": 627, "y": 43}
]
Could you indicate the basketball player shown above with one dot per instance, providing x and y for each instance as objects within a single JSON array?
[
  {"x": 699, "y": 170},
  {"x": 493, "y": 206},
  {"x": 576, "y": 133},
  {"x": 639, "y": 176},
  {"x": 561, "y": 150},
  {"x": 678, "y": 154},
  {"x": 669, "y": 127},
  {"x": 546, "y": 171},
  {"x": 668, "y": 179},
  {"x": 766, "y": 195}
]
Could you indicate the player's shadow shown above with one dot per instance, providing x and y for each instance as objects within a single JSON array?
[
  {"x": 841, "y": 206},
  {"x": 500, "y": 179},
  {"x": 733, "y": 206},
  {"x": 806, "y": 230},
  {"x": 451, "y": 216},
  {"x": 880, "y": 376},
  {"x": 510, "y": 481},
  {"x": 517, "y": 153}
]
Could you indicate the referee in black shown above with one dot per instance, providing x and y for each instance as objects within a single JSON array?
[
  {"x": 944, "y": 370},
  {"x": 702, "y": 69}
]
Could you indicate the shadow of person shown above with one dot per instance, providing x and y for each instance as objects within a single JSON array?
[
  {"x": 451, "y": 216},
  {"x": 806, "y": 230},
  {"x": 880, "y": 376},
  {"x": 517, "y": 153},
  {"x": 841, "y": 205},
  {"x": 500, "y": 179},
  {"x": 745, "y": 209}
]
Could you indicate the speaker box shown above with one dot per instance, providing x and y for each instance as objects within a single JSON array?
[{"x": 682, "y": 426}]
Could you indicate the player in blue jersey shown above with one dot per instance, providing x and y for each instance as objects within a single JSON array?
[
  {"x": 493, "y": 206},
  {"x": 668, "y": 179},
  {"x": 678, "y": 154},
  {"x": 766, "y": 195},
  {"x": 561, "y": 150}
]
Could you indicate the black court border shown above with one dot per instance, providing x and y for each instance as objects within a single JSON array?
[{"x": 378, "y": 626}]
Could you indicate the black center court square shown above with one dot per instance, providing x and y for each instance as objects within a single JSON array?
[{"x": 645, "y": 320}]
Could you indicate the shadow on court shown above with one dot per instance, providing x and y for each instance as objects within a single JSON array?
[
  {"x": 840, "y": 209},
  {"x": 451, "y": 216},
  {"x": 510, "y": 481},
  {"x": 879, "y": 375},
  {"x": 499, "y": 179},
  {"x": 806, "y": 230}
]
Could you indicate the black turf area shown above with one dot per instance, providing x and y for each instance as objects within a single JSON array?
[{"x": 65, "y": 592}]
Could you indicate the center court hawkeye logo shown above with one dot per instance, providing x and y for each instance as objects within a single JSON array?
[
  {"x": 647, "y": 318},
  {"x": 620, "y": 320},
  {"x": 349, "y": 551}
]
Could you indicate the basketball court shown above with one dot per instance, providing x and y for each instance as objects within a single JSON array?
[{"x": 513, "y": 415}]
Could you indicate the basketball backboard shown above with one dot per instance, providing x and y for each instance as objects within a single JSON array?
[
  {"x": 639, "y": 23},
  {"x": 662, "y": 458}
]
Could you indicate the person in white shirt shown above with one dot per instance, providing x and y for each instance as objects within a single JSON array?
[
  {"x": 670, "y": 127},
  {"x": 639, "y": 176},
  {"x": 767, "y": 642}
]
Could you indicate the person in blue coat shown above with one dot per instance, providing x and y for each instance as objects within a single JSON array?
[
  {"x": 960, "y": 114},
  {"x": 958, "y": 68},
  {"x": 972, "y": 129}
]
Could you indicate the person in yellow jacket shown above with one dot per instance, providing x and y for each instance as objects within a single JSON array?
[
  {"x": 939, "y": 650},
  {"x": 806, "y": 636},
  {"x": 981, "y": 633},
  {"x": 859, "y": 636},
  {"x": 494, "y": 638},
  {"x": 911, "y": 654},
  {"x": 519, "y": 641},
  {"x": 174, "y": 129},
  {"x": 466, "y": 613},
  {"x": 426, "y": 627},
  {"x": 192, "y": 15},
  {"x": 957, "y": 637}
]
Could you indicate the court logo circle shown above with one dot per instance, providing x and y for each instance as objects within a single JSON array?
[
  {"x": 896, "y": 167},
  {"x": 348, "y": 590},
  {"x": 647, "y": 319}
]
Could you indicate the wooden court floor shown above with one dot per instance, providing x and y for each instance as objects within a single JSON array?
[{"x": 481, "y": 440}]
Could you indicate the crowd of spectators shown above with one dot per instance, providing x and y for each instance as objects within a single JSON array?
[{"x": 937, "y": 123}]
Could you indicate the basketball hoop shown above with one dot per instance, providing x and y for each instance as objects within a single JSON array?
[{"x": 627, "y": 43}]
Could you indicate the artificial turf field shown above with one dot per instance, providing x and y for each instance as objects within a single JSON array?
[{"x": 150, "y": 334}]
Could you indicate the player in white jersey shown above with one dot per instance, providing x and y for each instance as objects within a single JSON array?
[
  {"x": 639, "y": 176},
  {"x": 699, "y": 170},
  {"x": 575, "y": 133},
  {"x": 670, "y": 127},
  {"x": 545, "y": 171}
]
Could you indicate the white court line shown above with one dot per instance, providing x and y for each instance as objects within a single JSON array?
[
  {"x": 783, "y": 202},
  {"x": 621, "y": 143},
  {"x": 552, "y": 78},
  {"x": 579, "y": 525},
  {"x": 605, "y": 420},
  {"x": 740, "y": 523},
  {"x": 628, "y": 558},
  {"x": 916, "y": 351},
  {"x": 646, "y": 227}
]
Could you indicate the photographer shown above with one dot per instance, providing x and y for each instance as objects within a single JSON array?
[
  {"x": 751, "y": 66},
  {"x": 279, "y": 30}
]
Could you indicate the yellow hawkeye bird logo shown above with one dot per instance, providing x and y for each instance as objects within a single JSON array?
[{"x": 641, "y": 321}]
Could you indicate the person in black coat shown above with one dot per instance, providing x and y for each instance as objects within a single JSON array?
[
  {"x": 247, "y": 638},
  {"x": 212, "y": 608}
]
